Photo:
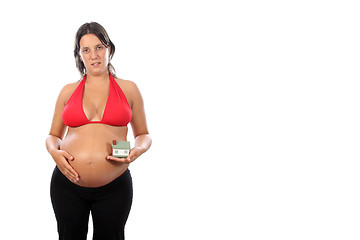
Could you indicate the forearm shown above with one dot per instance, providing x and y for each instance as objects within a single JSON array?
[
  {"x": 52, "y": 143},
  {"x": 143, "y": 142}
]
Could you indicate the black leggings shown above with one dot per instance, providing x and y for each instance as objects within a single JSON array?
[{"x": 109, "y": 205}]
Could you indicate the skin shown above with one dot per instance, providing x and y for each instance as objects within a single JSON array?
[{"x": 84, "y": 154}]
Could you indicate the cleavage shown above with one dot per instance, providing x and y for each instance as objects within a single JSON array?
[{"x": 94, "y": 102}]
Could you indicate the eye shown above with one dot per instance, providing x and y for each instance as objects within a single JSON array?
[
  {"x": 100, "y": 47},
  {"x": 85, "y": 50}
]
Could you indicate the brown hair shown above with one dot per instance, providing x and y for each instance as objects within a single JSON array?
[{"x": 100, "y": 32}]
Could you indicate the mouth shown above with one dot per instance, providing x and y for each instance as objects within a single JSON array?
[{"x": 95, "y": 64}]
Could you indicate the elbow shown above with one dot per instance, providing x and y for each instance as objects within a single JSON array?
[
  {"x": 144, "y": 140},
  {"x": 51, "y": 135},
  {"x": 142, "y": 134}
]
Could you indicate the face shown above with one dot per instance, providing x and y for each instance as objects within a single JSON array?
[{"x": 94, "y": 54}]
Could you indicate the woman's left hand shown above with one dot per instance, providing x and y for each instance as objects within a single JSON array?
[{"x": 134, "y": 154}]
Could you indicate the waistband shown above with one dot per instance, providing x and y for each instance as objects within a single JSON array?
[{"x": 122, "y": 178}]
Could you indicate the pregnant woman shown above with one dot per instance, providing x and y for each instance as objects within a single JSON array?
[{"x": 92, "y": 113}]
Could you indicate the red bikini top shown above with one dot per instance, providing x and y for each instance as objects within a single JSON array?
[{"x": 117, "y": 109}]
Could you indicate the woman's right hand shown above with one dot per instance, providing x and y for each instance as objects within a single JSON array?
[{"x": 62, "y": 159}]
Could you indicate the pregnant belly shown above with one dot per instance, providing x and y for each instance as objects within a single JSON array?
[
  {"x": 94, "y": 169},
  {"x": 90, "y": 160}
]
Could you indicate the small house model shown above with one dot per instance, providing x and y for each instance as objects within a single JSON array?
[{"x": 120, "y": 148}]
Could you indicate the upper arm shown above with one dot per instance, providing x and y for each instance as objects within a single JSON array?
[
  {"x": 138, "y": 121},
  {"x": 58, "y": 128}
]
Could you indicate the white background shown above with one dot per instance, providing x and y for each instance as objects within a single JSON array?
[{"x": 253, "y": 107}]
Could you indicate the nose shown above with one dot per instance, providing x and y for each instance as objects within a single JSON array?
[{"x": 93, "y": 55}]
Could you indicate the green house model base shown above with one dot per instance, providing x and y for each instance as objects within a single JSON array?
[{"x": 121, "y": 149}]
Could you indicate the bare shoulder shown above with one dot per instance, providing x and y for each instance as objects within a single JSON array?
[
  {"x": 67, "y": 91},
  {"x": 130, "y": 90},
  {"x": 126, "y": 85}
]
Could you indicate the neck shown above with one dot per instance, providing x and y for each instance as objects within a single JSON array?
[{"x": 98, "y": 78}]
